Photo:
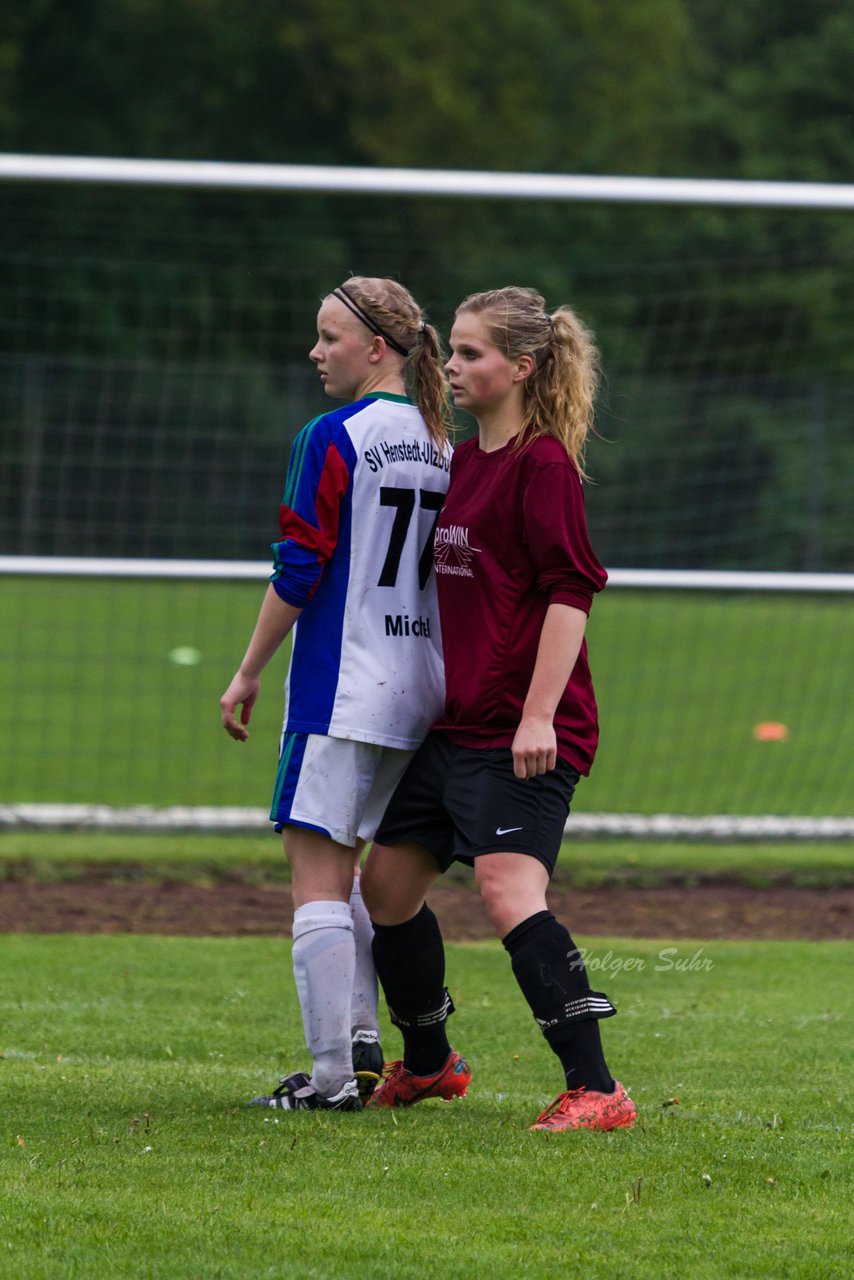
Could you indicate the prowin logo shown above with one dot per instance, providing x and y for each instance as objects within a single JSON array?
[{"x": 453, "y": 552}]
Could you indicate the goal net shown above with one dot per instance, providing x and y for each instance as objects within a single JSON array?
[{"x": 153, "y": 373}]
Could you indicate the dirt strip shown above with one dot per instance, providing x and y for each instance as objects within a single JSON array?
[{"x": 719, "y": 909}]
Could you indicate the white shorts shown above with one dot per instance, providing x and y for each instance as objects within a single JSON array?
[{"x": 335, "y": 786}]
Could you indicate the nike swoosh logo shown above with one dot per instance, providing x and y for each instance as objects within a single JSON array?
[{"x": 502, "y": 831}]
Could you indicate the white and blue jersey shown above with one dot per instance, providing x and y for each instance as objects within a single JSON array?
[{"x": 364, "y": 490}]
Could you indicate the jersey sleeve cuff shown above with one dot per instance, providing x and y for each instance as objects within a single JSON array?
[
  {"x": 582, "y": 600},
  {"x": 290, "y": 593}
]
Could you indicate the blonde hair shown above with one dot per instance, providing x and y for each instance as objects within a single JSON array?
[
  {"x": 399, "y": 317},
  {"x": 560, "y": 392}
]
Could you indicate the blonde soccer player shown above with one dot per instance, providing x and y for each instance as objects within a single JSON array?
[
  {"x": 353, "y": 577},
  {"x": 493, "y": 782}
]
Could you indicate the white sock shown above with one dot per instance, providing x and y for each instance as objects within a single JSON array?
[
  {"x": 363, "y": 1015},
  {"x": 324, "y": 959}
]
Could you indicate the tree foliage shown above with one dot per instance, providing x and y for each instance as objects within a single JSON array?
[
  {"x": 566, "y": 84},
  {"x": 655, "y": 86},
  {"x": 658, "y": 87}
]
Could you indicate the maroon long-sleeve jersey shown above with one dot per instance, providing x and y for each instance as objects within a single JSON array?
[{"x": 511, "y": 540}]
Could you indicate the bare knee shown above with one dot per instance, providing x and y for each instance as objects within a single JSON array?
[
  {"x": 512, "y": 888},
  {"x": 498, "y": 900},
  {"x": 389, "y": 900},
  {"x": 394, "y": 882},
  {"x": 371, "y": 882},
  {"x": 321, "y": 869}
]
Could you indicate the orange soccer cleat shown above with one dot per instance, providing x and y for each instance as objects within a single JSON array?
[
  {"x": 585, "y": 1109},
  {"x": 401, "y": 1088}
]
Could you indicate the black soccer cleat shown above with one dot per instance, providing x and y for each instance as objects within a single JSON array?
[
  {"x": 367, "y": 1062},
  {"x": 297, "y": 1093}
]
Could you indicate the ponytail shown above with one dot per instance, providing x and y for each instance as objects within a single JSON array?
[
  {"x": 560, "y": 392},
  {"x": 425, "y": 367},
  {"x": 399, "y": 319}
]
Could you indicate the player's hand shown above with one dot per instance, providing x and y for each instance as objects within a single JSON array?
[
  {"x": 242, "y": 692},
  {"x": 534, "y": 747}
]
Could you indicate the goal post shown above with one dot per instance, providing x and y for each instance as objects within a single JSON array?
[
  {"x": 453, "y": 183},
  {"x": 154, "y": 322},
  {"x": 255, "y": 570},
  {"x": 720, "y": 714}
]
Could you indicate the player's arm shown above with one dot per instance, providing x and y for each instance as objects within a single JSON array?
[
  {"x": 275, "y": 619},
  {"x": 570, "y": 574},
  {"x": 318, "y": 477},
  {"x": 535, "y": 744}
]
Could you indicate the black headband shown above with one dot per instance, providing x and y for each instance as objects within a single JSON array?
[{"x": 343, "y": 296}]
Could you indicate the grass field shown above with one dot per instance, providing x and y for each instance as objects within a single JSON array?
[
  {"x": 98, "y": 711},
  {"x": 582, "y": 864},
  {"x": 125, "y": 1150},
  {"x": 124, "y": 1060}
]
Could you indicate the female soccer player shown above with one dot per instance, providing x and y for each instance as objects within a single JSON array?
[
  {"x": 493, "y": 782},
  {"x": 353, "y": 573}
]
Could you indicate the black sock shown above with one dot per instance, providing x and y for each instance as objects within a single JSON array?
[
  {"x": 549, "y": 969},
  {"x": 410, "y": 962}
]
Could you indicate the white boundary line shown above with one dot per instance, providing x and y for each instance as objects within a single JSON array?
[
  {"x": 256, "y": 570},
  {"x": 230, "y": 820},
  {"x": 426, "y": 182}
]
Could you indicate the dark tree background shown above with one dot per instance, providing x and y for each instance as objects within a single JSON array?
[{"x": 727, "y": 334}]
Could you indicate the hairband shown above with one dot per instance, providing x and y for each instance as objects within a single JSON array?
[{"x": 343, "y": 296}]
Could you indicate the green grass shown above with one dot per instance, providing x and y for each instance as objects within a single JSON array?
[
  {"x": 103, "y": 715},
  {"x": 582, "y": 864},
  {"x": 683, "y": 679},
  {"x": 98, "y": 712},
  {"x": 125, "y": 1151}
]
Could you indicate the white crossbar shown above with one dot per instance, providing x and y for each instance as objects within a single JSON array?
[{"x": 427, "y": 182}]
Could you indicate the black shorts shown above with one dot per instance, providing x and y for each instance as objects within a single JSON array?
[{"x": 459, "y": 802}]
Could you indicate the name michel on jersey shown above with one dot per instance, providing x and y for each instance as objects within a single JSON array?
[
  {"x": 384, "y": 454},
  {"x": 400, "y": 624}
]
